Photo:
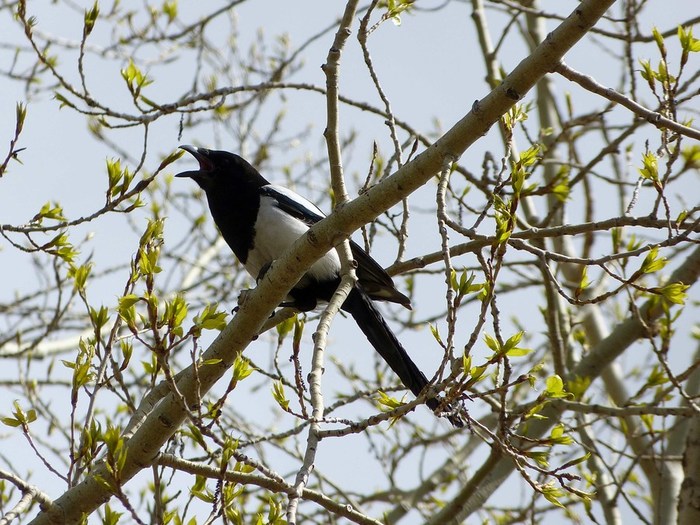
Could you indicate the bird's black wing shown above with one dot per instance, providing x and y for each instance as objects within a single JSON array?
[
  {"x": 293, "y": 204},
  {"x": 371, "y": 276}
]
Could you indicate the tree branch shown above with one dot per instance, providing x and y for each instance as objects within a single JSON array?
[{"x": 652, "y": 117}]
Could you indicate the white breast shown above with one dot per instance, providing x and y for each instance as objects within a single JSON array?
[{"x": 275, "y": 232}]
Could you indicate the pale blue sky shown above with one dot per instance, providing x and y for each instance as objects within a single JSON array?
[{"x": 430, "y": 69}]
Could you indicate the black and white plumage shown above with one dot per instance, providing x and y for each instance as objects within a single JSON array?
[{"x": 260, "y": 221}]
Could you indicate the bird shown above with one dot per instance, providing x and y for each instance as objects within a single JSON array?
[{"x": 260, "y": 221}]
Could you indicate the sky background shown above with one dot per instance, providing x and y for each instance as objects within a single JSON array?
[{"x": 428, "y": 67}]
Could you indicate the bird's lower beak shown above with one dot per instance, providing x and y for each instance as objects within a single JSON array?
[{"x": 205, "y": 165}]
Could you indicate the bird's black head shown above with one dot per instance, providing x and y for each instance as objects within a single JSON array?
[{"x": 219, "y": 169}]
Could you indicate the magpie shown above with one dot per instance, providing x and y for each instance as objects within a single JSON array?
[{"x": 260, "y": 221}]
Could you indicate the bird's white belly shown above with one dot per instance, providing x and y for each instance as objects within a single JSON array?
[{"x": 275, "y": 232}]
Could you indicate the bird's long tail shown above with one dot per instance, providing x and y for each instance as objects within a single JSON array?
[{"x": 373, "y": 325}]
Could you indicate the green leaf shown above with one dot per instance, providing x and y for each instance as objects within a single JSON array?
[
  {"x": 552, "y": 494},
  {"x": 128, "y": 301},
  {"x": 119, "y": 181},
  {"x": 561, "y": 188},
  {"x": 485, "y": 292},
  {"x": 199, "y": 490},
  {"x": 127, "y": 311},
  {"x": 114, "y": 173},
  {"x": 211, "y": 318},
  {"x": 135, "y": 79},
  {"x": 674, "y": 292},
  {"x": 578, "y": 460},
  {"x": 171, "y": 158},
  {"x": 279, "y": 395},
  {"x": 63, "y": 100},
  {"x": 616, "y": 237},
  {"x": 557, "y": 432},
  {"x": 682, "y": 216},
  {"x": 395, "y": 8},
  {"x": 127, "y": 350},
  {"x": 436, "y": 333},
  {"x": 63, "y": 248},
  {"x": 691, "y": 156},
  {"x": 153, "y": 232},
  {"x": 578, "y": 386},
  {"x": 99, "y": 318},
  {"x": 476, "y": 373},
  {"x": 465, "y": 284},
  {"x": 650, "y": 167},
  {"x": 530, "y": 155},
  {"x": 518, "y": 180},
  {"x": 241, "y": 369},
  {"x": 82, "y": 368},
  {"x": 492, "y": 343},
  {"x": 111, "y": 517},
  {"x": 116, "y": 451},
  {"x": 648, "y": 420},
  {"x": 688, "y": 42},
  {"x": 647, "y": 73},
  {"x": 540, "y": 456},
  {"x": 518, "y": 352},
  {"x": 657, "y": 376},
  {"x": 466, "y": 363},
  {"x": 633, "y": 243},
  {"x": 299, "y": 323},
  {"x": 175, "y": 314},
  {"x": 243, "y": 468},
  {"x": 513, "y": 341},
  {"x": 502, "y": 215},
  {"x": 517, "y": 113},
  {"x": 662, "y": 73},
  {"x": 150, "y": 367},
  {"x": 659, "y": 39},
  {"x": 170, "y": 10},
  {"x": 10, "y": 421},
  {"x": 228, "y": 450},
  {"x": 583, "y": 284},
  {"x": 50, "y": 211},
  {"x": 519, "y": 171},
  {"x": 511, "y": 349},
  {"x": 285, "y": 328},
  {"x": 554, "y": 387},
  {"x": 652, "y": 262},
  {"x": 80, "y": 275},
  {"x": 534, "y": 412},
  {"x": 20, "y": 116},
  {"x": 387, "y": 403},
  {"x": 454, "y": 284},
  {"x": 90, "y": 18},
  {"x": 21, "y": 418}
]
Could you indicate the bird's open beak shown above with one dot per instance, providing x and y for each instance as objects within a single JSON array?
[{"x": 205, "y": 165}]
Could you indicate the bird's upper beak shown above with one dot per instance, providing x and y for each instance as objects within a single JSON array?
[{"x": 205, "y": 164}]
